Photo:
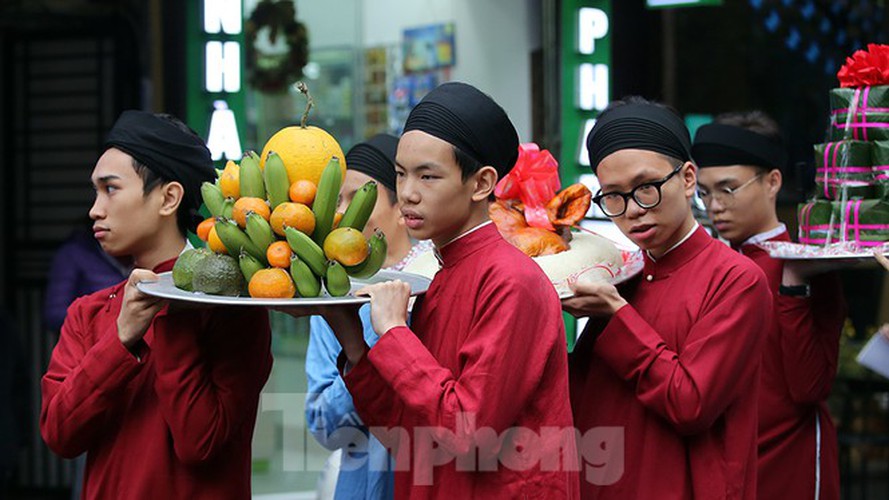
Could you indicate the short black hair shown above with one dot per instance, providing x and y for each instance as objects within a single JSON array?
[
  {"x": 468, "y": 166},
  {"x": 754, "y": 121},
  {"x": 151, "y": 179}
]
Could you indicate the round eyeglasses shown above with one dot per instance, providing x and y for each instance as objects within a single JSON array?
[
  {"x": 647, "y": 196},
  {"x": 725, "y": 195}
]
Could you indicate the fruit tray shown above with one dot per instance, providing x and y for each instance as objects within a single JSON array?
[
  {"x": 837, "y": 252},
  {"x": 165, "y": 289}
]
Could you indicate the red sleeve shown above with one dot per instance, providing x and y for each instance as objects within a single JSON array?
[
  {"x": 82, "y": 383},
  {"x": 810, "y": 331},
  {"x": 379, "y": 407},
  {"x": 718, "y": 360},
  {"x": 499, "y": 374},
  {"x": 211, "y": 367}
]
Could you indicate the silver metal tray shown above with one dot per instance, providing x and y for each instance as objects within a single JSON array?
[{"x": 165, "y": 289}]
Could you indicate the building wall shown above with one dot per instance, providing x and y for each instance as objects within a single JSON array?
[{"x": 494, "y": 41}]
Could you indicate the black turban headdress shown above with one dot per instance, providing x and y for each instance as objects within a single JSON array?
[
  {"x": 465, "y": 117},
  {"x": 645, "y": 126},
  {"x": 719, "y": 145},
  {"x": 170, "y": 152},
  {"x": 376, "y": 158}
]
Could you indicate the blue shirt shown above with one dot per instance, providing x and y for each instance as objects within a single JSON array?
[{"x": 366, "y": 470}]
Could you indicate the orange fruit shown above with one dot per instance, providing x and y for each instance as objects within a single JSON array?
[
  {"x": 295, "y": 215},
  {"x": 337, "y": 217},
  {"x": 304, "y": 151},
  {"x": 203, "y": 230},
  {"x": 271, "y": 284},
  {"x": 278, "y": 254},
  {"x": 244, "y": 205},
  {"x": 230, "y": 180},
  {"x": 346, "y": 245},
  {"x": 303, "y": 191},
  {"x": 214, "y": 242}
]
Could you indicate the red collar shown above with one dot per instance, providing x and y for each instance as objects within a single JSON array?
[
  {"x": 467, "y": 245},
  {"x": 676, "y": 258}
]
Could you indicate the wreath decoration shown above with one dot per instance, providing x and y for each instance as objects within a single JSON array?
[{"x": 274, "y": 71}]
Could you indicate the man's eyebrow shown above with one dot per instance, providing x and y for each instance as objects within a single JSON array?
[
  {"x": 422, "y": 166},
  {"x": 106, "y": 178},
  {"x": 635, "y": 181}
]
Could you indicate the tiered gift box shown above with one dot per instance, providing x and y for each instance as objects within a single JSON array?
[{"x": 851, "y": 202}]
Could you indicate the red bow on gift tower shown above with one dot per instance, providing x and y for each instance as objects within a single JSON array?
[
  {"x": 534, "y": 180},
  {"x": 866, "y": 68}
]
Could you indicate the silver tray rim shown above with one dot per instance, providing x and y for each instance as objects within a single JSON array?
[{"x": 165, "y": 289}]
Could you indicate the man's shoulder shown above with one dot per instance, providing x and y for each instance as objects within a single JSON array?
[{"x": 725, "y": 261}]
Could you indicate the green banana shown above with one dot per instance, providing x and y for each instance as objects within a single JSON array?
[
  {"x": 249, "y": 265},
  {"x": 252, "y": 184},
  {"x": 218, "y": 173},
  {"x": 259, "y": 231},
  {"x": 326, "y": 199},
  {"x": 253, "y": 155},
  {"x": 277, "y": 183},
  {"x": 307, "y": 284},
  {"x": 361, "y": 206},
  {"x": 375, "y": 257},
  {"x": 236, "y": 240},
  {"x": 336, "y": 281},
  {"x": 228, "y": 205},
  {"x": 213, "y": 198},
  {"x": 307, "y": 250}
]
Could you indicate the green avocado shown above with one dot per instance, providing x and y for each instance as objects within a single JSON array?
[
  {"x": 183, "y": 269},
  {"x": 218, "y": 275}
]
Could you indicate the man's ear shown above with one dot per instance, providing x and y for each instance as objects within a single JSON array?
[
  {"x": 774, "y": 180},
  {"x": 689, "y": 178},
  {"x": 485, "y": 182},
  {"x": 172, "y": 193}
]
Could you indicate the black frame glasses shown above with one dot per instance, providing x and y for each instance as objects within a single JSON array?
[{"x": 600, "y": 198}]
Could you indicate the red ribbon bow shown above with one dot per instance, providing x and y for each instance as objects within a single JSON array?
[
  {"x": 534, "y": 180},
  {"x": 866, "y": 68}
]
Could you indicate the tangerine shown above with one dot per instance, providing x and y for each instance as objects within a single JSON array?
[
  {"x": 346, "y": 245},
  {"x": 303, "y": 191},
  {"x": 295, "y": 215},
  {"x": 244, "y": 205},
  {"x": 230, "y": 180},
  {"x": 278, "y": 254},
  {"x": 203, "y": 230},
  {"x": 214, "y": 242},
  {"x": 337, "y": 217},
  {"x": 271, "y": 284}
]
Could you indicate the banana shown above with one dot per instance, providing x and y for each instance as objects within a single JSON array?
[
  {"x": 253, "y": 155},
  {"x": 336, "y": 281},
  {"x": 361, "y": 206},
  {"x": 259, "y": 231},
  {"x": 249, "y": 265},
  {"x": 252, "y": 184},
  {"x": 326, "y": 199},
  {"x": 236, "y": 240},
  {"x": 228, "y": 205},
  {"x": 307, "y": 250},
  {"x": 277, "y": 184},
  {"x": 375, "y": 257},
  {"x": 218, "y": 174},
  {"x": 213, "y": 198},
  {"x": 307, "y": 284}
]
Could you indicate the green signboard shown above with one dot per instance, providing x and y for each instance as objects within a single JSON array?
[
  {"x": 586, "y": 89},
  {"x": 215, "y": 93}
]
